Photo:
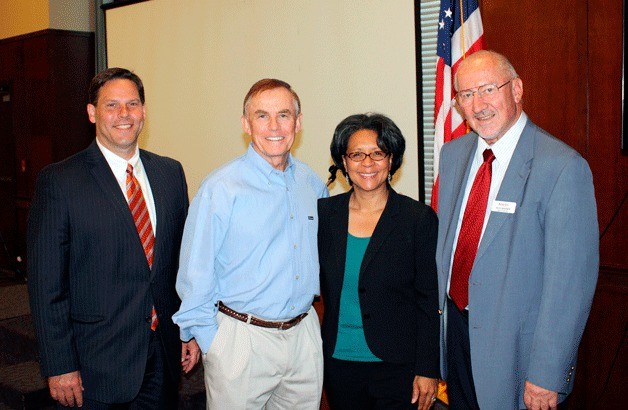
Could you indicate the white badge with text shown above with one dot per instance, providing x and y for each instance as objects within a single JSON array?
[{"x": 504, "y": 207}]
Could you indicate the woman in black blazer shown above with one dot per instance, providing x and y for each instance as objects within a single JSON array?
[{"x": 378, "y": 277}]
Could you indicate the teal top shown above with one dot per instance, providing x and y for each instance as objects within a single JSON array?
[{"x": 350, "y": 341}]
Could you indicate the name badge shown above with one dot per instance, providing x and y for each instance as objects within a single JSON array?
[{"x": 504, "y": 207}]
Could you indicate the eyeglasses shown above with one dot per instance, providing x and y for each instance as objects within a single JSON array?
[
  {"x": 361, "y": 156},
  {"x": 485, "y": 92}
]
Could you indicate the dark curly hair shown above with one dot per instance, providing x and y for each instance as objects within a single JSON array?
[{"x": 389, "y": 139}]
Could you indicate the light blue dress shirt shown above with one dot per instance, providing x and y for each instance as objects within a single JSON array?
[{"x": 250, "y": 242}]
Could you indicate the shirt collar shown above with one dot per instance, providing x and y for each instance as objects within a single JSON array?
[
  {"x": 263, "y": 166},
  {"x": 117, "y": 163},
  {"x": 505, "y": 146}
]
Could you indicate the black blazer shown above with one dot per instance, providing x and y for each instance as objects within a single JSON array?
[
  {"x": 397, "y": 285},
  {"x": 91, "y": 290}
]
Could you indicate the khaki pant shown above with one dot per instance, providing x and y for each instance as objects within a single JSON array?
[{"x": 251, "y": 367}]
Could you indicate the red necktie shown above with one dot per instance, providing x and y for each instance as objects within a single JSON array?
[
  {"x": 139, "y": 210},
  {"x": 470, "y": 232}
]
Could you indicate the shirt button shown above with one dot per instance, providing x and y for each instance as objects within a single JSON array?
[
  {"x": 292, "y": 308},
  {"x": 291, "y": 216},
  {"x": 297, "y": 277},
  {"x": 295, "y": 246}
]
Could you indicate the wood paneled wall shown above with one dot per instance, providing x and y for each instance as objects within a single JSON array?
[
  {"x": 47, "y": 74},
  {"x": 569, "y": 55}
]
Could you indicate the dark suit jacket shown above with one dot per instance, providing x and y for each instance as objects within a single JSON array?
[
  {"x": 397, "y": 284},
  {"x": 91, "y": 290}
]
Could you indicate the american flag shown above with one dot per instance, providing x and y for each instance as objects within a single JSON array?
[{"x": 460, "y": 33}]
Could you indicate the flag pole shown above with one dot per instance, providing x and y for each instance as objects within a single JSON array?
[{"x": 462, "y": 51}]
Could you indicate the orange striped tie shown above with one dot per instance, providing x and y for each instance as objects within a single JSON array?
[{"x": 139, "y": 210}]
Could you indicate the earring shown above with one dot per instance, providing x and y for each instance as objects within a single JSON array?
[
  {"x": 389, "y": 177},
  {"x": 348, "y": 179}
]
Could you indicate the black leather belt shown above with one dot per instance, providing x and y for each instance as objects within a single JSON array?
[{"x": 243, "y": 317}]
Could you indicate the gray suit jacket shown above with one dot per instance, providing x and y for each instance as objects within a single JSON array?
[{"x": 534, "y": 276}]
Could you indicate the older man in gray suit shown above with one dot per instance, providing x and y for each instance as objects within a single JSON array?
[{"x": 517, "y": 249}]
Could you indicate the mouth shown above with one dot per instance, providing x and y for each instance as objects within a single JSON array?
[
  {"x": 123, "y": 126},
  {"x": 484, "y": 116},
  {"x": 367, "y": 175},
  {"x": 274, "y": 139}
]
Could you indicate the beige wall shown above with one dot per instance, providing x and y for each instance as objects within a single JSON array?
[
  {"x": 19, "y": 17},
  {"x": 75, "y": 15},
  {"x": 198, "y": 61}
]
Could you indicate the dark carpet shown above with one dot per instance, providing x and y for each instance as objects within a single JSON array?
[{"x": 21, "y": 383}]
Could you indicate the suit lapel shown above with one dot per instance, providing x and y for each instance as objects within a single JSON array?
[
  {"x": 339, "y": 218},
  {"x": 513, "y": 186},
  {"x": 387, "y": 222},
  {"x": 100, "y": 170},
  {"x": 158, "y": 192},
  {"x": 462, "y": 168}
]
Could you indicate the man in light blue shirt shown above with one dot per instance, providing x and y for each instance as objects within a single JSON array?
[{"x": 249, "y": 266}]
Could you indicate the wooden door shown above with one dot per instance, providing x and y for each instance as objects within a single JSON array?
[{"x": 8, "y": 226}]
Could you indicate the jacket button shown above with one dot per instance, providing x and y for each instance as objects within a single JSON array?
[
  {"x": 362, "y": 290},
  {"x": 366, "y": 316},
  {"x": 440, "y": 311},
  {"x": 148, "y": 319}
]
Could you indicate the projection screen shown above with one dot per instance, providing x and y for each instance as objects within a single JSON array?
[{"x": 198, "y": 58}]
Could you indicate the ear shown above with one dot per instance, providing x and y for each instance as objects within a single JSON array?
[
  {"x": 517, "y": 89},
  {"x": 91, "y": 113},
  {"x": 297, "y": 125},
  {"x": 246, "y": 126},
  {"x": 344, "y": 162}
]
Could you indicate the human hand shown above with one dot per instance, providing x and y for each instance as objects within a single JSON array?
[
  {"x": 424, "y": 392},
  {"x": 537, "y": 398},
  {"x": 67, "y": 389},
  {"x": 190, "y": 353}
]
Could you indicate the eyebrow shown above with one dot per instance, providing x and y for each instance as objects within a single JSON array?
[
  {"x": 122, "y": 101},
  {"x": 285, "y": 111}
]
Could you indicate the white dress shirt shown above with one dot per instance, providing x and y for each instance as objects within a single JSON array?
[
  {"x": 503, "y": 149},
  {"x": 118, "y": 166}
]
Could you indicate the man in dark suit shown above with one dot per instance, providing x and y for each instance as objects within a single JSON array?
[
  {"x": 104, "y": 233},
  {"x": 517, "y": 249}
]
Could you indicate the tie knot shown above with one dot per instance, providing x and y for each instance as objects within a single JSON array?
[
  {"x": 487, "y": 154},
  {"x": 129, "y": 169}
]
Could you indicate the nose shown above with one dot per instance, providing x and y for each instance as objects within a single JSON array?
[
  {"x": 124, "y": 111},
  {"x": 273, "y": 124},
  {"x": 368, "y": 161},
  {"x": 477, "y": 102}
]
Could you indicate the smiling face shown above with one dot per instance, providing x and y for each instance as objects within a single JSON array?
[
  {"x": 491, "y": 116},
  {"x": 119, "y": 116},
  {"x": 272, "y": 122},
  {"x": 366, "y": 175}
]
